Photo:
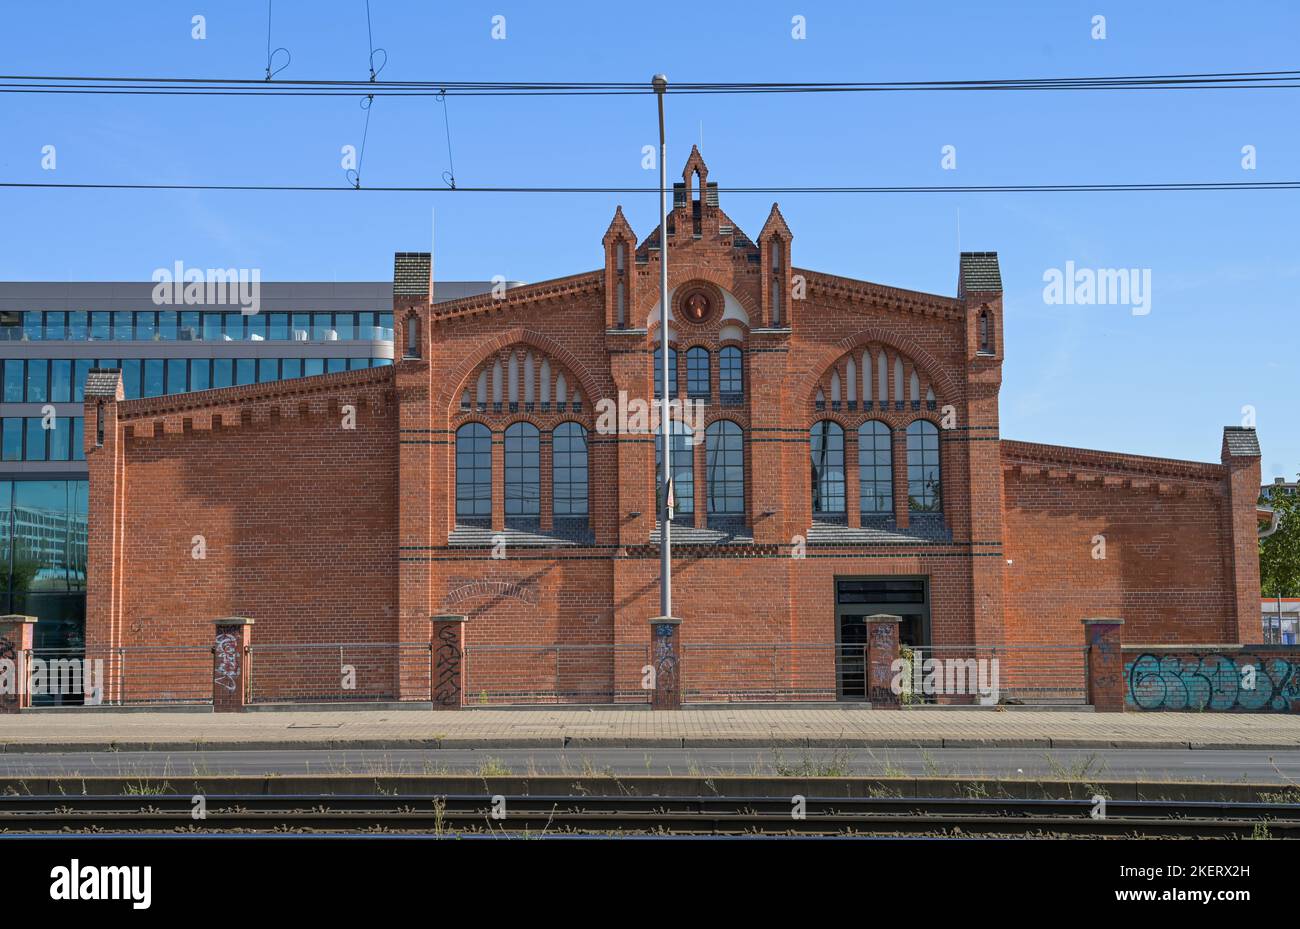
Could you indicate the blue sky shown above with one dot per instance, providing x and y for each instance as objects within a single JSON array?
[{"x": 1222, "y": 333}]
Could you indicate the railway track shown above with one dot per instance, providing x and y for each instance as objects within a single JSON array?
[{"x": 555, "y": 815}]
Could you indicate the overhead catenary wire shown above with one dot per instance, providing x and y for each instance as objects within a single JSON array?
[
  {"x": 167, "y": 86},
  {"x": 1175, "y": 187}
]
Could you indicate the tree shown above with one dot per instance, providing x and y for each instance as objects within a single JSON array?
[{"x": 1279, "y": 554}]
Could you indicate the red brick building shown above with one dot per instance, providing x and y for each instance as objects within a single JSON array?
[{"x": 850, "y": 463}]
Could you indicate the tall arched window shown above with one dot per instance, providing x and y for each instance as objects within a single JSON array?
[
  {"x": 697, "y": 373},
  {"x": 827, "y": 445},
  {"x": 474, "y": 475},
  {"x": 924, "y": 487},
  {"x": 731, "y": 378},
  {"x": 682, "y": 465},
  {"x": 659, "y": 373},
  {"x": 523, "y": 476},
  {"x": 412, "y": 337},
  {"x": 569, "y": 472},
  {"x": 724, "y": 455},
  {"x": 875, "y": 468}
]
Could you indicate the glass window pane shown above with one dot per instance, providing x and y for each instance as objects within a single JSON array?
[
  {"x": 167, "y": 325},
  {"x": 875, "y": 468},
  {"x": 61, "y": 439},
  {"x": 223, "y": 372},
  {"x": 77, "y": 323},
  {"x": 301, "y": 327},
  {"x": 279, "y": 331},
  {"x": 200, "y": 374},
  {"x": 36, "y": 431},
  {"x": 176, "y": 371},
  {"x": 78, "y": 449},
  {"x": 724, "y": 457},
  {"x": 321, "y": 326},
  {"x": 924, "y": 487},
  {"x": 12, "y": 438},
  {"x": 245, "y": 371},
  {"x": 190, "y": 330},
  {"x": 268, "y": 369},
  {"x": 366, "y": 326},
  {"x": 337, "y": 364},
  {"x": 212, "y": 327},
  {"x": 38, "y": 374},
  {"x": 827, "y": 446},
  {"x": 100, "y": 325},
  {"x": 290, "y": 368},
  {"x": 345, "y": 325},
  {"x": 146, "y": 326},
  {"x": 257, "y": 328},
  {"x": 312, "y": 366},
  {"x": 14, "y": 380},
  {"x": 80, "y": 368},
  {"x": 54, "y": 326},
  {"x": 474, "y": 474},
  {"x": 131, "y": 378},
  {"x": 153, "y": 377},
  {"x": 233, "y": 327},
  {"x": 49, "y": 544},
  {"x": 355, "y": 364},
  {"x": 123, "y": 326},
  {"x": 33, "y": 326},
  {"x": 61, "y": 380}
]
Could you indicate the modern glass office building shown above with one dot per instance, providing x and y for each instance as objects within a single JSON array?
[{"x": 51, "y": 334}]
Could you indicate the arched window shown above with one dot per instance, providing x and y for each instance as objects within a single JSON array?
[
  {"x": 659, "y": 372},
  {"x": 697, "y": 373},
  {"x": 923, "y": 480},
  {"x": 473, "y": 475},
  {"x": 724, "y": 455},
  {"x": 682, "y": 465},
  {"x": 569, "y": 471},
  {"x": 523, "y": 475},
  {"x": 731, "y": 378},
  {"x": 875, "y": 468},
  {"x": 827, "y": 444},
  {"x": 412, "y": 336}
]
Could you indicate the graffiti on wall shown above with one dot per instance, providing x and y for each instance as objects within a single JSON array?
[
  {"x": 227, "y": 652},
  {"x": 1213, "y": 681},
  {"x": 446, "y": 688}
]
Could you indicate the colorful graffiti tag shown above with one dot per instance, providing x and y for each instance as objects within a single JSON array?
[{"x": 1241, "y": 682}]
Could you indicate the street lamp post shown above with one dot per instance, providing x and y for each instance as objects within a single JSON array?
[{"x": 665, "y": 532}]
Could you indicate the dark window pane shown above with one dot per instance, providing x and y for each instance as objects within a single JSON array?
[
  {"x": 724, "y": 456},
  {"x": 875, "y": 468},
  {"x": 245, "y": 371},
  {"x": 474, "y": 474},
  {"x": 279, "y": 330},
  {"x": 78, "y": 438},
  {"x": 80, "y": 368},
  {"x": 290, "y": 368},
  {"x": 233, "y": 327},
  {"x": 268, "y": 369},
  {"x": 312, "y": 366},
  {"x": 924, "y": 487},
  {"x": 682, "y": 470},
  {"x": 697, "y": 373},
  {"x": 223, "y": 372},
  {"x": 212, "y": 327},
  {"x": 257, "y": 328},
  {"x": 569, "y": 470},
  {"x": 827, "y": 446},
  {"x": 523, "y": 474},
  {"x": 337, "y": 364},
  {"x": 190, "y": 329},
  {"x": 61, "y": 439}
]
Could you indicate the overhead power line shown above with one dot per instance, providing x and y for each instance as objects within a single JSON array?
[
  {"x": 164, "y": 86},
  {"x": 902, "y": 189}
]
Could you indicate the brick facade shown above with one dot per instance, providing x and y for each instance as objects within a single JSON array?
[{"x": 327, "y": 534}]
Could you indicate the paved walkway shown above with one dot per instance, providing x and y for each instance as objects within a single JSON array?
[{"x": 91, "y": 730}]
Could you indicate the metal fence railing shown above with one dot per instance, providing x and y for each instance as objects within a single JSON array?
[
  {"x": 327, "y": 672},
  {"x": 506, "y": 674},
  {"x": 121, "y": 676},
  {"x": 776, "y": 672},
  {"x": 1029, "y": 674}
]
